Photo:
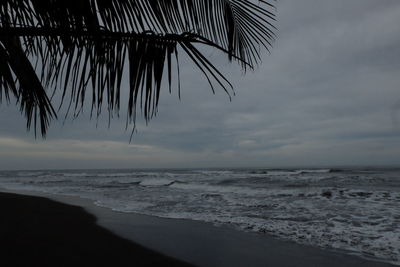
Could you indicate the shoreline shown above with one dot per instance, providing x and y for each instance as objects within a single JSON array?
[
  {"x": 38, "y": 231},
  {"x": 204, "y": 244}
]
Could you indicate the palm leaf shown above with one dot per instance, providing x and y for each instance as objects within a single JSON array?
[{"x": 83, "y": 45}]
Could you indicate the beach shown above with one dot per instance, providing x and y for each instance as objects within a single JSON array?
[
  {"x": 62, "y": 231},
  {"x": 353, "y": 211},
  {"x": 128, "y": 137},
  {"x": 36, "y": 231}
]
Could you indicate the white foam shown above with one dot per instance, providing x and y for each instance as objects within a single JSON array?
[{"x": 123, "y": 206}]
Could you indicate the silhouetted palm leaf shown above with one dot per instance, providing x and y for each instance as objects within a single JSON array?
[{"x": 78, "y": 45}]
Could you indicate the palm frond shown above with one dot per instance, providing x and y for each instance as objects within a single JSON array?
[
  {"x": 7, "y": 84},
  {"x": 79, "y": 45}
]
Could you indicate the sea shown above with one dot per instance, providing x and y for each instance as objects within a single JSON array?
[{"x": 356, "y": 211}]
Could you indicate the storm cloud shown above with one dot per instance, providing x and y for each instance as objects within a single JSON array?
[{"x": 327, "y": 95}]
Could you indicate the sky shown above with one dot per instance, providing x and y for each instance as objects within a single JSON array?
[{"x": 327, "y": 95}]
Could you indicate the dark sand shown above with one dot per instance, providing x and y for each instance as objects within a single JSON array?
[
  {"x": 204, "y": 244},
  {"x": 36, "y": 231}
]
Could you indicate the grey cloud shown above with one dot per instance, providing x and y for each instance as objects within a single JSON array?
[{"x": 327, "y": 95}]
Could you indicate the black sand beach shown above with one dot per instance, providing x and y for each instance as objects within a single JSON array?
[{"x": 36, "y": 231}]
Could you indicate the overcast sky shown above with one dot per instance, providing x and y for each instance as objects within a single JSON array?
[{"x": 327, "y": 95}]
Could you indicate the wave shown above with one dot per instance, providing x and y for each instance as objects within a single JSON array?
[
  {"x": 115, "y": 175},
  {"x": 30, "y": 174},
  {"x": 213, "y": 172},
  {"x": 82, "y": 174},
  {"x": 304, "y": 205},
  {"x": 157, "y": 182},
  {"x": 220, "y": 189},
  {"x": 279, "y": 172},
  {"x": 316, "y": 171},
  {"x": 117, "y": 185}
]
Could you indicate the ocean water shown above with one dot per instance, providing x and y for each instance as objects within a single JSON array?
[{"x": 356, "y": 211}]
